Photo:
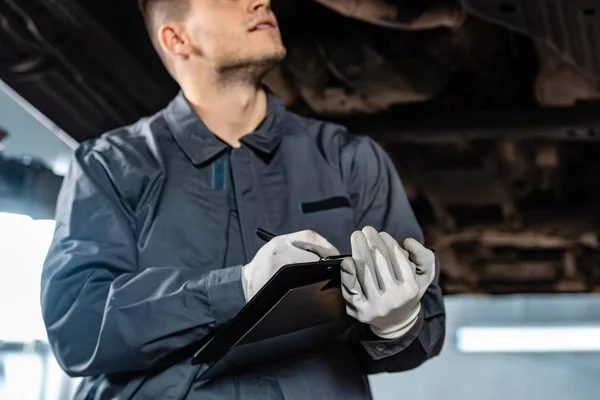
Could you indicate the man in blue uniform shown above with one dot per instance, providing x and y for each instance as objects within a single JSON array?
[{"x": 155, "y": 242}]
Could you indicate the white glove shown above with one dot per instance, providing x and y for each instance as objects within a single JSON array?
[
  {"x": 298, "y": 247},
  {"x": 380, "y": 284}
]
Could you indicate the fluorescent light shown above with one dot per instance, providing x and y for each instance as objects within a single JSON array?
[
  {"x": 61, "y": 166},
  {"x": 546, "y": 339}
]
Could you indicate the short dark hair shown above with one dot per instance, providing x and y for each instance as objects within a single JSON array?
[{"x": 157, "y": 12}]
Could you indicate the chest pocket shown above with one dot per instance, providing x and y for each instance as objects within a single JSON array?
[
  {"x": 331, "y": 217},
  {"x": 330, "y": 203}
]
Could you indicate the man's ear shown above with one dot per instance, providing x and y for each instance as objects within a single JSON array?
[{"x": 172, "y": 41}]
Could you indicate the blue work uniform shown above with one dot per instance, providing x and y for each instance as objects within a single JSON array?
[{"x": 153, "y": 224}]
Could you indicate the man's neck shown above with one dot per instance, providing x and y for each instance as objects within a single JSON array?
[{"x": 230, "y": 110}]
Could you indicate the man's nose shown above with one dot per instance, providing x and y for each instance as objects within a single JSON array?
[{"x": 257, "y": 5}]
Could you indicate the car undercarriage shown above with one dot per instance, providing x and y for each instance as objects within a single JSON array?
[{"x": 490, "y": 109}]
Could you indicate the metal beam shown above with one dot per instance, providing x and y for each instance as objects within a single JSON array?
[{"x": 580, "y": 123}]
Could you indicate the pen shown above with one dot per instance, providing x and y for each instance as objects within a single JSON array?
[
  {"x": 264, "y": 235},
  {"x": 267, "y": 236}
]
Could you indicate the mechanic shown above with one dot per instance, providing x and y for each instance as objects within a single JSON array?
[{"x": 155, "y": 242}]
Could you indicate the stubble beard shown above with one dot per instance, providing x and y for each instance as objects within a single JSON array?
[{"x": 250, "y": 70}]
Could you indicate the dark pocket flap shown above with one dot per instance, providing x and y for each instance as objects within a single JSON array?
[{"x": 325, "y": 204}]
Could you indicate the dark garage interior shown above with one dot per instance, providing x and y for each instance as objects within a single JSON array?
[{"x": 489, "y": 110}]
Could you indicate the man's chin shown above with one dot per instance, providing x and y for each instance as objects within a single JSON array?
[
  {"x": 264, "y": 61},
  {"x": 275, "y": 57},
  {"x": 274, "y": 54},
  {"x": 264, "y": 65},
  {"x": 252, "y": 68}
]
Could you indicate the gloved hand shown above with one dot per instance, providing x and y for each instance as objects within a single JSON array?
[
  {"x": 298, "y": 247},
  {"x": 383, "y": 284}
]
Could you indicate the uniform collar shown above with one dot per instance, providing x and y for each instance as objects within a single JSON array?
[{"x": 200, "y": 145}]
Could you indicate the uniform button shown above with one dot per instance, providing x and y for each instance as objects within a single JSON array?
[{"x": 381, "y": 347}]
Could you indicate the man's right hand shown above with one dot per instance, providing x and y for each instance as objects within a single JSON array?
[{"x": 298, "y": 247}]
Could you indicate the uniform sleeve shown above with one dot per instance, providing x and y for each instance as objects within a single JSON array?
[
  {"x": 379, "y": 200},
  {"x": 103, "y": 313}
]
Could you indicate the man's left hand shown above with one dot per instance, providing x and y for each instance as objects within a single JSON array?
[{"x": 383, "y": 283}]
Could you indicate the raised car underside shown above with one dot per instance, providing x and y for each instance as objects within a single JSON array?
[{"x": 489, "y": 108}]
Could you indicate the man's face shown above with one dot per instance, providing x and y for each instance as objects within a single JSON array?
[{"x": 233, "y": 34}]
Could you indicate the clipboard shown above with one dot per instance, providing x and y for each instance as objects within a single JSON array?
[{"x": 299, "y": 309}]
